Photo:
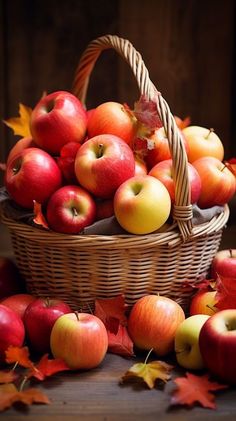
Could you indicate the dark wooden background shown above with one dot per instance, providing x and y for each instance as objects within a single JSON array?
[{"x": 187, "y": 45}]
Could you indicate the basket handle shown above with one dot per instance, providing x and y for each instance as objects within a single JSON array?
[{"x": 182, "y": 209}]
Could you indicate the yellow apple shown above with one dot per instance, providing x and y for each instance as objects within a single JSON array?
[{"x": 202, "y": 142}]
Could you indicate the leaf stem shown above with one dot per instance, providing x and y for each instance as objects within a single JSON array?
[
  {"x": 23, "y": 383},
  {"x": 148, "y": 355}
]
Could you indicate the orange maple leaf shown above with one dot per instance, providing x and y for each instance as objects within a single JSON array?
[
  {"x": 8, "y": 376},
  {"x": 21, "y": 125},
  {"x": 47, "y": 367},
  {"x": 194, "y": 389},
  {"x": 39, "y": 218},
  {"x": 112, "y": 312},
  {"x": 120, "y": 343},
  {"x": 10, "y": 395},
  {"x": 18, "y": 355}
]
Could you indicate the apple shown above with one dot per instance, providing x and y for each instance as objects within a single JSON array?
[
  {"x": 23, "y": 143},
  {"x": 217, "y": 343},
  {"x": 70, "y": 209},
  {"x": 32, "y": 175},
  {"x": 12, "y": 330},
  {"x": 66, "y": 161},
  {"x": 163, "y": 172},
  {"x": 103, "y": 163},
  {"x": 112, "y": 117},
  {"x": 202, "y": 142},
  {"x": 203, "y": 302},
  {"x": 39, "y": 319},
  {"x": 58, "y": 118},
  {"x": 104, "y": 208},
  {"x": 18, "y": 303},
  {"x": 140, "y": 166},
  {"x": 224, "y": 264},
  {"x": 187, "y": 350},
  {"x": 218, "y": 182},
  {"x": 142, "y": 204},
  {"x": 80, "y": 339},
  {"x": 160, "y": 150},
  {"x": 153, "y": 322},
  {"x": 11, "y": 281}
]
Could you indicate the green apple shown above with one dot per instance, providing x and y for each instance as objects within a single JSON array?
[{"x": 187, "y": 350}]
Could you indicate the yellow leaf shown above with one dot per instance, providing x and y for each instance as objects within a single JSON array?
[
  {"x": 21, "y": 125},
  {"x": 149, "y": 372}
]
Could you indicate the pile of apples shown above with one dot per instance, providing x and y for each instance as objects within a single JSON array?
[
  {"x": 82, "y": 166},
  {"x": 201, "y": 340}
]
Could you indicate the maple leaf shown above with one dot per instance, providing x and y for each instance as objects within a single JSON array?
[
  {"x": 39, "y": 218},
  {"x": 120, "y": 343},
  {"x": 18, "y": 355},
  {"x": 10, "y": 395},
  {"x": 231, "y": 165},
  {"x": 149, "y": 372},
  {"x": 146, "y": 113},
  {"x": 226, "y": 293},
  {"x": 47, "y": 367},
  {"x": 194, "y": 389},
  {"x": 112, "y": 312},
  {"x": 204, "y": 284},
  {"x": 21, "y": 125},
  {"x": 8, "y": 376},
  {"x": 182, "y": 123}
]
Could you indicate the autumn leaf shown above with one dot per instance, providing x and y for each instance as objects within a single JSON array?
[
  {"x": 231, "y": 165},
  {"x": 8, "y": 376},
  {"x": 194, "y": 389},
  {"x": 146, "y": 113},
  {"x": 120, "y": 343},
  {"x": 18, "y": 355},
  {"x": 182, "y": 123},
  {"x": 39, "y": 218},
  {"x": 47, "y": 367},
  {"x": 21, "y": 125},
  {"x": 10, "y": 395},
  {"x": 149, "y": 373},
  {"x": 225, "y": 293},
  {"x": 112, "y": 312},
  {"x": 204, "y": 284}
]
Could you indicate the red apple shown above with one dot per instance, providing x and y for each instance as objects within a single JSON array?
[
  {"x": 32, "y": 175},
  {"x": 103, "y": 163},
  {"x": 217, "y": 343},
  {"x": 218, "y": 182},
  {"x": 153, "y": 322},
  {"x": 112, "y": 117},
  {"x": 203, "y": 302},
  {"x": 140, "y": 166},
  {"x": 142, "y": 204},
  {"x": 39, "y": 319},
  {"x": 18, "y": 303},
  {"x": 224, "y": 264},
  {"x": 202, "y": 142},
  {"x": 66, "y": 161},
  {"x": 104, "y": 208},
  {"x": 160, "y": 150},
  {"x": 23, "y": 143},
  {"x": 80, "y": 339},
  {"x": 163, "y": 172},
  {"x": 58, "y": 118},
  {"x": 11, "y": 281},
  {"x": 12, "y": 330},
  {"x": 70, "y": 209}
]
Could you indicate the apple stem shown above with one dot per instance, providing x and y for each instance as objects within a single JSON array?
[
  {"x": 74, "y": 210},
  {"x": 100, "y": 150},
  {"x": 148, "y": 355},
  {"x": 231, "y": 253},
  {"x": 211, "y": 308},
  {"x": 77, "y": 315},
  {"x": 222, "y": 169},
  {"x": 208, "y": 134}
]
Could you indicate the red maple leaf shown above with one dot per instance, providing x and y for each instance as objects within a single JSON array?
[
  {"x": 39, "y": 218},
  {"x": 145, "y": 110},
  {"x": 47, "y": 367},
  {"x": 120, "y": 343}
]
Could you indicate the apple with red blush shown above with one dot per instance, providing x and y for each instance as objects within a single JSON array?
[
  {"x": 12, "y": 330},
  {"x": 66, "y": 161},
  {"x": 103, "y": 163},
  {"x": 163, "y": 171},
  {"x": 39, "y": 318},
  {"x": 203, "y": 302},
  {"x": 70, "y": 209},
  {"x": 32, "y": 175},
  {"x": 224, "y": 264},
  {"x": 58, "y": 118},
  {"x": 18, "y": 303},
  {"x": 23, "y": 143},
  {"x": 11, "y": 281}
]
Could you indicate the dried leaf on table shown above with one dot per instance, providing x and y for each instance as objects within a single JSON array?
[
  {"x": 10, "y": 395},
  {"x": 112, "y": 312},
  {"x": 120, "y": 343},
  {"x": 150, "y": 373},
  {"x": 47, "y": 367},
  {"x": 192, "y": 390},
  {"x": 18, "y": 355},
  {"x": 8, "y": 376},
  {"x": 21, "y": 125}
]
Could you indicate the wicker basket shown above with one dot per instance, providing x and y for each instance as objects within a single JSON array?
[{"x": 81, "y": 268}]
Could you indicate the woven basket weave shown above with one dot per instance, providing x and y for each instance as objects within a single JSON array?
[{"x": 81, "y": 268}]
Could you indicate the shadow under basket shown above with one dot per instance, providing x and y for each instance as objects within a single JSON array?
[{"x": 82, "y": 268}]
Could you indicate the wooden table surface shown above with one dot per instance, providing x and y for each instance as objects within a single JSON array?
[{"x": 98, "y": 394}]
